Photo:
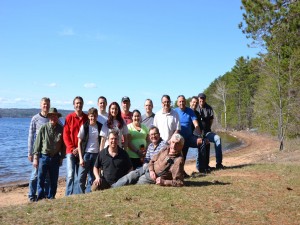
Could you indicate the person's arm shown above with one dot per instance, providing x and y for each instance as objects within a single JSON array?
[
  {"x": 31, "y": 134},
  {"x": 177, "y": 121},
  {"x": 96, "y": 172},
  {"x": 197, "y": 130},
  {"x": 62, "y": 154},
  {"x": 102, "y": 144},
  {"x": 151, "y": 166},
  {"x": 38, "y": 147},
  {"x": 81, "y": 162}
]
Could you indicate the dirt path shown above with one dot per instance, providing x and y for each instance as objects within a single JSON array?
[{"x": 256, "y": 148}]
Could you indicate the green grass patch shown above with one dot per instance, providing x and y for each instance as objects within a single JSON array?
[{"x": 256, "y": 194}]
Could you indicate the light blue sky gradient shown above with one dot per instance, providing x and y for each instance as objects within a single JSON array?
[{"x": 141, "y": 49}]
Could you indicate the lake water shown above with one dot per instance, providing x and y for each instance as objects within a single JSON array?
[{"x": 14, "y": 165}]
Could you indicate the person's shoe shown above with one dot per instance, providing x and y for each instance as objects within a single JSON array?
[
  {"x": 204, "y": 171},
  {"x": 219, "y": 166},
  {"x": 33, "y": 198},
  {"x": 208, "y": 169},
  {"x": 186, "y": 175},
  {"x": 197, "y": 174}
]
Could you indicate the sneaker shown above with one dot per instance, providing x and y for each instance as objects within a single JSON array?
[{"x": 220, "y": 166}]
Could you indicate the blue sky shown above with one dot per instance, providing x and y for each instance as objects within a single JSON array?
[{"x": 136, "y": 48}]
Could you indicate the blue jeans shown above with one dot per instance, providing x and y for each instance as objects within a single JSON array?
[
  {"x": 131, "y": 177},
  {"x": 33, "y": 184},
  {"x": 72, "y": 174},
  {"x": 146, "y": 179},
  {"x": 89, "y": 161},
  {"x": 214, "y": 138},
  {"x": 49, "y": 165},
  {"x": 191, "y": 142}
]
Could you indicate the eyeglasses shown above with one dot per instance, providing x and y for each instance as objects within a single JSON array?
[{"x": 154, "y": 134}]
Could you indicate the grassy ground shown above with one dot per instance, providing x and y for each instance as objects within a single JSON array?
[{"x": 245, "y": 194}]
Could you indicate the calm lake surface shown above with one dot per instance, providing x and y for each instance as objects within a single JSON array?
[{"x": 15, "y": 167}]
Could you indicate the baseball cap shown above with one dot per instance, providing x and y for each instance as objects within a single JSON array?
[{"x": 125, "y": 98}]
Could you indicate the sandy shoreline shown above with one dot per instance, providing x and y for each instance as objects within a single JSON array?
[{"x": 254, "y": 148}]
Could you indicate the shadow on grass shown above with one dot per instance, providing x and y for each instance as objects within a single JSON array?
[
  {"x": 191, "y": 183},
  {"x": 232, "y": 167},
  {"x": 239, "y": 166}
]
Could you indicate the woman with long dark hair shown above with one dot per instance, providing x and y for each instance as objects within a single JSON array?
[{"x": 114, "y": 122}]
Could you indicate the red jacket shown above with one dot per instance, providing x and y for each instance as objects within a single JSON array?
[{"x": 71, "y": 129}]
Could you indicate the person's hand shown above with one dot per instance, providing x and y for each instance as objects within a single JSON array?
[
  {"x": 206, "y": 141},
  {"x": 199, "y": 141},
  {"x": 97, "y": 181},
  {"x": 140, "y": 153},
  {"x": 160, "y": 181},
  {"x": 153, "y": 175},
  {"x": 35, "y": 162},
  {"x": 75, "y": 152},
  {"x": 30, "y": 158},
  {"x": 81, "y": 162}
]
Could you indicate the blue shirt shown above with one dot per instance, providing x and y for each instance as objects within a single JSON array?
[{"x": 186, "y": 118}]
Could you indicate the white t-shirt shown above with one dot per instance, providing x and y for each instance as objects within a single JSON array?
[
  {"x": 102, "y": 118},
  {"x": 92, "y": 144},
  {"x": 167, "y": 123},
  {"x": 105, "y": 132}
]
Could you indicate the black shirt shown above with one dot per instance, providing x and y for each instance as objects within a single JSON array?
[
  {"x": 113, "y": 167},
  {"x": 206, "y": 114}
]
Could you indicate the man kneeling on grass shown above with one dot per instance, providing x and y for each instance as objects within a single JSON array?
[{"x": 164, "y": 169}]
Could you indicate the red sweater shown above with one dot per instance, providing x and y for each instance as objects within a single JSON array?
[{"x": 71, "y": 129}]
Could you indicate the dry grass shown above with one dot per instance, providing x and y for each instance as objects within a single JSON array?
[{"x": 250, "y": 194}]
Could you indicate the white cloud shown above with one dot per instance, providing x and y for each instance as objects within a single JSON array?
[
  {"x": 90, "y": 103},
  {"x": 90, "y": 85},
  {"x": 67, "y": 32},
  {"x": 19, "y": 100},
  {"x": 52, "y": 85}
]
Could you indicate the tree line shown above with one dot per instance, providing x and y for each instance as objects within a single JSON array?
[{"x": 263, "y": 92}]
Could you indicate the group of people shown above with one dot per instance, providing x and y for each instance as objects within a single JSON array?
[{"x": 105, "y": 149}]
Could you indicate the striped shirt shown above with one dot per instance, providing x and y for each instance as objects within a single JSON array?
[{"x": 151, "y": 150}]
